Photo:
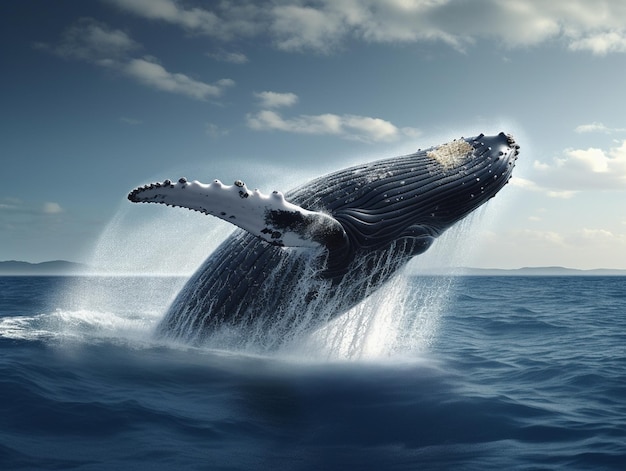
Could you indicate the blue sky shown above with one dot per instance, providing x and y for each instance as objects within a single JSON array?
[{"x": 99, "y": 97}]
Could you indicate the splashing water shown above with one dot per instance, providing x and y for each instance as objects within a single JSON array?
[{"x": 399, "y": 319}]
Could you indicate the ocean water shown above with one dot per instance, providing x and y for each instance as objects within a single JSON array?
[{"x": 434, "y": 373}]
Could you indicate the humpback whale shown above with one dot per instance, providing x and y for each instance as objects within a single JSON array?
[{"x": 302, "y": 258}]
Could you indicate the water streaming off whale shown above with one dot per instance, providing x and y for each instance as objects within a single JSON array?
[{"x": 401, "y": 319}]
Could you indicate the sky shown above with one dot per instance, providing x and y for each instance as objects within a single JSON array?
[{"x": 99, "y": 97}]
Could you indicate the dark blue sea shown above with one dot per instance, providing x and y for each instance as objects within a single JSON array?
[{"x": 463, "y": 373}]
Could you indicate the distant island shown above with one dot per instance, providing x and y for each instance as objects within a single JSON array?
[
  {"x": 54, "y": 267},
  {"x": 64, "y": 268},
  {"x": 537, "y": 271}
]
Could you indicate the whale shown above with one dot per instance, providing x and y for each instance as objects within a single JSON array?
[{"x": 302, "y": 258}]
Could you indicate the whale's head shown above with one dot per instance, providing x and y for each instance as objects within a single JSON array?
[
  {"x": 466, "y": 174},
  {"x": 419, "y": 196}
]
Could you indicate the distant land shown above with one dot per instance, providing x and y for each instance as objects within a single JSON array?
[
  {"x": 537, "y": 271},
  {"x": 63, "y": 267},
  {"x": 54, "y": 267}
]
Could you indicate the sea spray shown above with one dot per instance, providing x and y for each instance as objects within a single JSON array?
[
  {"x": 291, "y": 300},
  {"x": 138, "y": 266},
  {"x": 401, "y": 318},
  {"x": 157, "y": 242},
  {"x": 398, "y": 318}
]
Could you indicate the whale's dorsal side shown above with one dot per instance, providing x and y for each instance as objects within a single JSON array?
[{"x": 269, "y": 217}]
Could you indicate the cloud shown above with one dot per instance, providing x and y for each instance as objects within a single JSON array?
[
  {"x": 92, "y": 41},
  {"x": 9, "y": 204},
  {"x": 359, "y": 128},
  {"x": 130, "y": 121},
  {"x": 323, "y": 25},
  {"x": 225, "y": 56},
  {"x": 96, "y": 43},
  {"x": 565, "y": 195},
  {"x": 601, "y": 234},
  {"x": 583, "y": 237},
  {"x": 154, "y": 75},
  {"x": 214, "y": 131},
  {"x": 592, "y": 127},
  {"x": 523, "y": 183},
  {"x": 587, "y": 247},
  {"x": 229, "y": 21},
  {"x": 597, "y": 128},
  {"x": 297, "y": 28},
  {"x": 601, "y": 44},
  {"x": 547, "y": 237},
  {"x": 52, "y": 208},
  {"x": 583, "y": 169},
  {"x": 346, "y": 126},
  {"x": 18, "y": 207},
  {"x": 530, "y": 185},
  {"x": 276, "y": 100}
]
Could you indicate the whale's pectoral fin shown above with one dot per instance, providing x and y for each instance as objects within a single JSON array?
[{"x": 268, "y": 217}]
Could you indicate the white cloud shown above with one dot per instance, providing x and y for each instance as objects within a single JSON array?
[
  {"x": 130, "y": 121},
  {"x": 592, "y": 127},
  {"x": 215, "y": 131},
  {"x": 321, "y": 25},
  {"x": 10, "y": 204},
  {"x": 360, "y": 128},
  {"x": 589, "y": 247},
  {"x": 601, "y": 44},
  {"x": 275, "y": 100},
  {"x": 411, "y": 132},
  {"x": 230, "y": 21},
  {"x": 529, "y": 185},
  {"x": 170, "y": 11},
  {"x": 601, "y": 234},
  {"x": 590, "y": 160},
  {"x": 154, "y": 75},
  {"x": 565, "y": 195},
  {"x": 225, "y": 56},
  {"x": 94, "y": 42},
  {"x": 18, "y": 207},
  {"x": 597, "y": 127},
  {"x": 302, "y": 27},
  {"x": 270, "y": 120},
  {"x": 548, "y": 237},
  {"x": 52, "y": 208},
  {"x": 523, "y": 183},
  {"x": 583, "y": 169},
  {"x": 602, "y": 238}
]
